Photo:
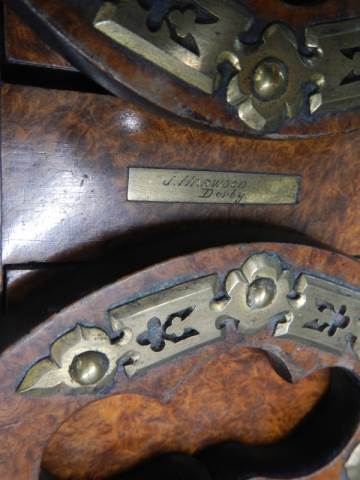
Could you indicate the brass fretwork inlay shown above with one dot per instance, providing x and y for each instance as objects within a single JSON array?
[
  {"x": 273, "y": 79},
  {"x": 155, "y": 328}
]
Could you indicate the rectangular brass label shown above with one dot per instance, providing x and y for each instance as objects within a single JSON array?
[{"x": 198, "y": 186}]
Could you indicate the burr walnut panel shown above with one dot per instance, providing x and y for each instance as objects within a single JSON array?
[
  {"x": 65, "y": 161},
  {"x": 23, "y": 46}
]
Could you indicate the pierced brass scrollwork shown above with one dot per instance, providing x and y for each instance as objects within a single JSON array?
[
  {"x": 184, "y": 37},
  {"x": 153, "y": 329},
  {"x": 274, "y": 80},
  {"x": 323, "y": 314},
  {"x": 179, "y": 18},
  {"x": 337, "y": 59}
]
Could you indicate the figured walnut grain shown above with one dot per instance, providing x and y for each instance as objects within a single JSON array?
[
  {"x": 23, "y": 45},
  {"x": 65, "y": 160},
  {"x": 27, "y": 424},
  {"x": 237, "y": 396}
]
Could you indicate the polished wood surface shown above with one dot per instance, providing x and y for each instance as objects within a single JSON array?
[
  {"x": 23, "y": 45},
  {"x": 65, "y": 160},
  {"x": 68, "y": 230},
  {"x": 134, "y": 428},
  {"x": 211, "y": 372}
]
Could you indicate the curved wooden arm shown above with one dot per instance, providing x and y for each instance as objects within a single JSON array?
[
  {"x": 69, "y": 27},
  {"x": 49, "y": 385}
]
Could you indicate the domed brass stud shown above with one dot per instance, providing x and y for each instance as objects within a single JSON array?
[
  {"x": 270, "y": 79},
  {"x": 261, "y": 293},
  {"x": 89, "y": 368}
]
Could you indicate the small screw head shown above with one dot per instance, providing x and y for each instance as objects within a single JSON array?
[
  {"x": 89, "y": 367},
  {"x": 270, "y": 79},
  {"x": 261, "y": 293}
]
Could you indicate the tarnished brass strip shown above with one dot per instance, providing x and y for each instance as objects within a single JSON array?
[
  {"x": 142, "y": 47},
  {"x": 197, "y": 186}
]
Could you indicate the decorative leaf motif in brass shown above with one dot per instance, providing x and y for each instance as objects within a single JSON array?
[
  {"x": 153, "y": 329},
  {"x": 324, "y": 314},
  {"x": 192, "y": 38},
  {"x": 84, "y": 358},
  {"x": 271, "y": 76},
  {"x": 337, "y": 59},
  {"x": 255, "y": 294},
  {"x": 269, "y": 85}
]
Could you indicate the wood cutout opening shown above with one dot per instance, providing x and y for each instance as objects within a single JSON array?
[
  {"x": 311, "y": 444},
  {"x": 238, "y": 397}
]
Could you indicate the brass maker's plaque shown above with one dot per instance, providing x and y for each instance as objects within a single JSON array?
[{"x": 198, "y": 186}]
